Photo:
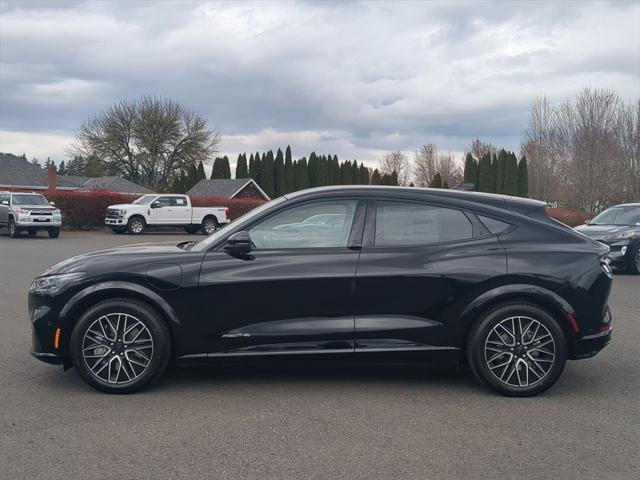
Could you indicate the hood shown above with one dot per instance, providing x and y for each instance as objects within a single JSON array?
[
  {"x": 37, "y": 207},
  {"x": 121, "y": 206},
  {"x": 598, "y": 232},
  {"x": 104, "y": 260}
]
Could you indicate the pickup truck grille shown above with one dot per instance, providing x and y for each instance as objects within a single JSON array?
[{"x": 112, "y": 213}]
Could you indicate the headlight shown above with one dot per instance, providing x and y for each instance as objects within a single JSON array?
[
  {"x": 122, "y": 213},
  {"x": 23, "y": 211},
  {"x": 621, "y": 236},
  {"x": 54, "y": 283}
]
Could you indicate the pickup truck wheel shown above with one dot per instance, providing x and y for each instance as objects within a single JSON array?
[
  {"x": 209, "y": 225},
  {"x": 54, "y": 232},
  {"x": 32, "y": 232},
  {"x": 13, "y": 230},
  {"x": 136, "y": 226}
]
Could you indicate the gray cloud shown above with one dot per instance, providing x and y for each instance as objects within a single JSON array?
[{"x": 358, "y": 77}]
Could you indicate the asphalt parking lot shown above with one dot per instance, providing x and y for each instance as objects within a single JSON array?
[{"x": 303, "y": 423}]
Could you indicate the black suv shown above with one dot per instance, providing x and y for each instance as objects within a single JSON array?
[
  {"x": 619, "y": 228},
  {"x": 364, "y": 274}
]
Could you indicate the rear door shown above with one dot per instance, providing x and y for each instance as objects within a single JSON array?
[
  {"x": 418, "y": 261},
  {"x": 181, "y": 210}
]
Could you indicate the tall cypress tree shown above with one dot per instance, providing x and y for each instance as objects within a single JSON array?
[
  {"x": 279, "y": 180},
  {"x": 470, "y": 167},
  {"x": 375, "y": 177},
  {"x": 252, "y": 167},
  {"x": 201, "y": 175},
  {"x": 289, "y": 172},
  {"x": 523, "y": 178},
  {"x": 363, "y": 175},
  {"x": 268, "y": 175},
  {"x": 241, "y": 166},
  {"x": 501, "y": 171},
  {"x": 485, "y": 174},
  {"x": 312, "y": 168},
  {"x": 301, "y": 178},
  {"x": 510, "y": 186}
]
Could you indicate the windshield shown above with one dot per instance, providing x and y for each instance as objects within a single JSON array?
[
  {"x": 34, "y": 199},
  {"x": 236, "y": 225},
  {"x": 618, "y": 216},
  {"x": 145, "y": 200}
]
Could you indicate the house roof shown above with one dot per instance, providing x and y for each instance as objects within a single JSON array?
[
  {"x": 113, "y": 184},
  {"x": 223, "y": 187}
]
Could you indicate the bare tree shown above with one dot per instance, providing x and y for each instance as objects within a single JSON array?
[
  {"x": 542, "y": 148},
  {"x": 588, "y": 131},
  {"x": 630, "y": 151},
  {"x": 149, "y": 141},
  {"x": 479, "y": 149},
  {"x": 398, "y": 162},
  {"x": 429, "y": 162}
]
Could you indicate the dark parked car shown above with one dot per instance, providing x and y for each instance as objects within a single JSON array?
[
  {"x": 619, "y": 228},
  {"x": 408, "y": 274}
]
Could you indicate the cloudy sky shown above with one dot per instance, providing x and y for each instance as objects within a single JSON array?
[{"x": 355, "y": 79}]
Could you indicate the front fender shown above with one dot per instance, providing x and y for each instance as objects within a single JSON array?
[{"x": 109, "y": 289}]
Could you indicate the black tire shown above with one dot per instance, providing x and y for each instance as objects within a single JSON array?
[
  {"x": 209, "y": 225},
  {"x": 14, "y": 232},
  {"x": 634, "y": 262},
  {"x": 32, "y": 232},
  {"x": 159, "y": 352},
  {"x": 526, "y": 360},
  {"x": 136, "y": 225},
  {"x": 191, "y": 229},
  {"x": 54, "y": 232}
]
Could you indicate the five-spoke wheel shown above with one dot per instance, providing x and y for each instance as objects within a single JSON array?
[{"x": 517, "y": 349}]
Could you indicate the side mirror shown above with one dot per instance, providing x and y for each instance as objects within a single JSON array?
[
  {"x": 156, "y": 204},
  {"x": 53, "y": 204},
  {"x": 5, "y": 202},
  {"x": 239, "y": 243}
]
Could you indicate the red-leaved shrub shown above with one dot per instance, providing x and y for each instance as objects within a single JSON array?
[
  {"x": 86, "y": 210},
  {"x": 572, "y": 218}
]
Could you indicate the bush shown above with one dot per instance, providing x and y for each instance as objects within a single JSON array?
[
  {"x": 572, "y": 218},
  {"x": 86, "y": 210}
]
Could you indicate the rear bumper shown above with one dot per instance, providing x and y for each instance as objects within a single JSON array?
[{"x": 590, "y": 345}]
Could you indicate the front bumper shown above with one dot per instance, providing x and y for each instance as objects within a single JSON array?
[
  {"x": 115, "y": 222},
  {"x": 38, "y": 223},
  {"x": 44, "y": 322},
  {"x": 619, "y": 252}
]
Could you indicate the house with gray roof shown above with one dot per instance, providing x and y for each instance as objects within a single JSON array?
[{"x": 228, "y": 188}]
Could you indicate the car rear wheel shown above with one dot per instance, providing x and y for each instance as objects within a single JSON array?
[
  {"x": 136, "y": 226},
  {"x": 634, "y": 264},
  {"x": 209, "y": 225},
  {"x": 517, "y": 349},
  {"x": 120, "y": 346},
  {"x": 13, "y": 230}
]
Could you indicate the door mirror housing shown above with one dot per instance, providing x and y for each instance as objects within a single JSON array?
[
  {"x": 239, "y": 243},
  {"x": 5, "y": 202},
  {"x": 156, "y": 204},
  {"x": 53, "y": 204}
]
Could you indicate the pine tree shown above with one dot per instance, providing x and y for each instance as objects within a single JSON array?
[
  {"x": 268, "y": 174},
  {"x": 375, "y": 178},
  {"x": 289, "y": 172},
  {"x": 301, "y": 177},
  {"x": 241, "y": 166},
  {"x": 201, "y": 175},
  {"x": 62, "y": 169},
  {"x": 523, "y": 178},
  {"x": 510, "y": 186},
  {"x": 363, "y": 175},
  {"x": 470, "y": 169},
  {"x": 252, "y": 167},
  {"x": 501, "y": 170},
  {"x": 485, "y": 174},
  {"x": 50, "y": 164},
  {"x": 312, "y": 168},
  {"x": 221, "y": 168},
  {"x": 279, "y": 179},
  {"x": 336, "y": 177},
  {"x": 436, "y": 182}
]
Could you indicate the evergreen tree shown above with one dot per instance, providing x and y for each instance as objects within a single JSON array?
[
  {"x": 268, "y": 174},
  {"x": 375, "y": 178},
  {"x": 501, "y": 170},
  {"x": 279, "y": 179},
  {"x": 49, "y": 163},
  {"x": 301, "y": 177},
  {"x": 189, "y": 179},
  {"x": 436, "y": 182},
  {"x": 470, "y": 170},
  {"x": 252, "y": 167},
  {"x": 289, "y": 172},
  {"x": 312, "y": 168},
  {"x": 221, "y": 168},
  {"x": 394, "y": 178},
  {"x": 510, "y": 186},
  {"x": 523, "y": 178},
  {"x": 363, "y": 175},
  {"x": 336, "y": 177},
  {"x": 62, "y": 169},
  {"x": 485, "y": 174},
  {"x": 241, "y": 166},
  {"x": 200, "y": 174}
]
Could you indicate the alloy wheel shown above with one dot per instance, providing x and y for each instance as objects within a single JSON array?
[
  {"x": 209, "y": 227},
  {"x": 519, "y": 351},
  {"x": 637, "y": 259},
  {"x": 117, "y": 348},
  {"x": 137, "y": 226}
]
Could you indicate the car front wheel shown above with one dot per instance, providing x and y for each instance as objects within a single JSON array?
[
  {"x": 120, "y": 346},
  {"x": 13, "y": 230},
  {"x": 517, "y": 349},
  {"x": 136, "y": 226}
]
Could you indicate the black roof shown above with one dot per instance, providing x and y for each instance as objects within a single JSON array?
[{"x": 461, "y": 198}]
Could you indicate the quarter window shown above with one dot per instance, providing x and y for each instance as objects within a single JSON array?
[
  {"x": 313, "y": 225},
  {"x": 399, "y": 223},
  {"x": 494, "y": 226}
]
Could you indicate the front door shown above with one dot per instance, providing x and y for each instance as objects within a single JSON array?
[
  {"x": 293, "y": 293},
  {"x": 417, "y": 260}
]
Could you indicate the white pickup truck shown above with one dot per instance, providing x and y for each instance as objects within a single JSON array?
[{"x": 165, "y": 210}]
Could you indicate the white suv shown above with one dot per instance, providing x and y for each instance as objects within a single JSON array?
[{"x": 30, "y": 212}]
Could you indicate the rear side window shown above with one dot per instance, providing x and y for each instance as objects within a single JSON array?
[
  {"x": 404, "y": 223},
  {"x": 496, "y": 227}
]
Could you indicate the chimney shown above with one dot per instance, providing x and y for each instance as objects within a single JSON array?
[{"x": 52, "y": 178}]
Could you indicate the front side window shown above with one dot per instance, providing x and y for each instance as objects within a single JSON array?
[
  {"x": 145, "y": 200},
  {"x": 400, "y": 223},
  {"x": 165, "y": 201},
  {"x": 618, "y": 216},
  {"x": 313, "y": 225}
]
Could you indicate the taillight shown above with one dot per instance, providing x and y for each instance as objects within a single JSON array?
[{"x": 226, "y": 214}]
